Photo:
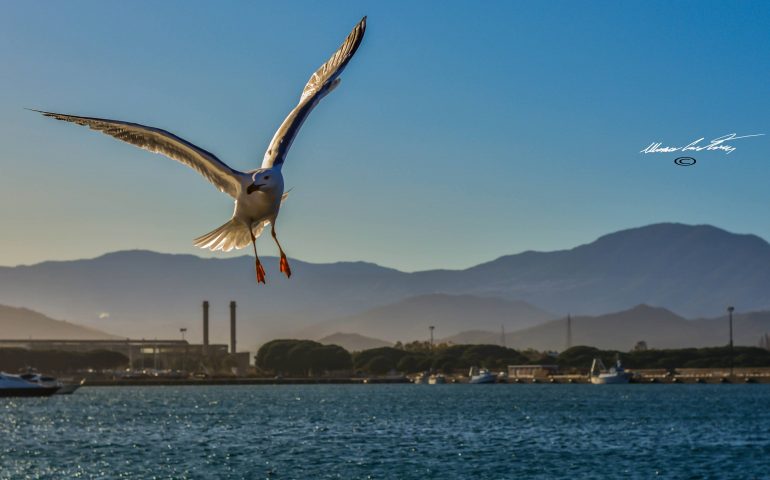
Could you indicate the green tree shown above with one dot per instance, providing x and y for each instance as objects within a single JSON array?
[
  {"x": 301, "y": 357},
  {"x": 361, "y": 359},
  {"x": 379, "y": 365},
  {"x": 330, "y": 357},
  {"x": 407, "y": 364}
]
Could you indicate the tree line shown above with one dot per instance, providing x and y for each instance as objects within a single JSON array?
[
  {"x": 669, "y": 359},
  {"x": 307, "y": 358},
  {"x": 302, "y": 357}
]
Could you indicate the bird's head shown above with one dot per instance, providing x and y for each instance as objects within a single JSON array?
[{"x": 267, "y": 180}]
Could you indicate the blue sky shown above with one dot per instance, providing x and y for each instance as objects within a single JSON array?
[{"x": 461, "y": 131}]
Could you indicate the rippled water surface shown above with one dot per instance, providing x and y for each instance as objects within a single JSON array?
[{"x": 391, "y": 431}]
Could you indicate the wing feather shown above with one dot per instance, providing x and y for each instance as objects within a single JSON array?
[
  {"x": 323, "y": 81},
  {"x": 165, "y": 143}
]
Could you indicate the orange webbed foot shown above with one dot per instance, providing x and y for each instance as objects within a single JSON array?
[
  {"x": 285, "y": 267},
  {"x": 260, "y": 273}
]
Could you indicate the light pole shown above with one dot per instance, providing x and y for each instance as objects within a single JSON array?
[
  {"x": 431, "y": 336},
  {"x": 730, "y": 310},
  {"x": 184, "y": 355}
]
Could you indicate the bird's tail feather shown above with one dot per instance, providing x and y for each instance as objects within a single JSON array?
[{"x": 232, "y": 234}]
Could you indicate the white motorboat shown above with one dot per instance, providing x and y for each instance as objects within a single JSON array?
[
  {"x": 16, "y": 386},
  {"x": 42, "y": 380},
  {"x": 601, "y": 375},
  {"x": 481, "y": 376},
  {"x": 69, "y": 387},
  {"x": 66, "y": 387}
]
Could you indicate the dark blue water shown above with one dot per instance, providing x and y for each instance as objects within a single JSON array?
[{"x": 391, "y": 431}]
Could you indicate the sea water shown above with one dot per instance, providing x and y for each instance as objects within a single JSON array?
[{"x": 390, "y": 431}]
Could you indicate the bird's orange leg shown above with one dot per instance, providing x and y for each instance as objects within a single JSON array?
[
  {"x": 260, "y": 270},
  {"x": 284, "y": 261}
]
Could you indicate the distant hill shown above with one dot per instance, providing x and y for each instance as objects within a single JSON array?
[
  {"x": 353, "y": 342},
  {"x": 151, "y": 295},
  {"x": 693, "y": 270},
  {"x": 409, "y": 319},
  {"x": 23, "y": 324},
  {"x": 658, "y": 327}
]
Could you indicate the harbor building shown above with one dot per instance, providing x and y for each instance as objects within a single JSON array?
[
  {"x": 158, "y": 354},
  {"x": 532, "y": 371}
]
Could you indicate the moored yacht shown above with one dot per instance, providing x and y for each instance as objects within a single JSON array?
[
  {"x": 601, "y": 375},
  {"x": 65, "y": 387},
  {"x": 481, "y": 376},
  {"x": 16, "y": 386},
  {"x": 68, "y": 388}
]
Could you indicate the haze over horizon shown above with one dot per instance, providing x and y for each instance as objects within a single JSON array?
[
  {"x": 693, "y": 271},
  {"x": 458, "y": 135}
]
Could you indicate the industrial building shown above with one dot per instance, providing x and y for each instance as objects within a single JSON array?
[
  {"x": 155, "y": 354},
  {"x": 532, "y": 371}
]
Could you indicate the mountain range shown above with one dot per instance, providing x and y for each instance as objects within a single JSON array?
[
  {"x": 656, "y": 326},
  {"x": 409, "y": 319},
  {"x": 22, "y": 324},
  {"x": 353, "y": 342},
  {"x": 694, "y": 271}
]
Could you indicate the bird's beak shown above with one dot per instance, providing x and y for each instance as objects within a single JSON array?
[{"x": 253, "y": 188}]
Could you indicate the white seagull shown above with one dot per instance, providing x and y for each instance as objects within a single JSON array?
[{"x": 258, "y": 193}]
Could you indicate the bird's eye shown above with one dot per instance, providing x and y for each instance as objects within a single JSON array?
[{"x": 267, "y": 177}]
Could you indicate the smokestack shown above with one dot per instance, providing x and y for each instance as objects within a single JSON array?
[
  {"x": 232, "y": 327},
  {"x": 205, "y": 325}
]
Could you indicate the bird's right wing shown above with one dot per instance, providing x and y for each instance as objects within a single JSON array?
[
  {"x": 160, "y": 141},
  {"x": 323, "y": 81}
]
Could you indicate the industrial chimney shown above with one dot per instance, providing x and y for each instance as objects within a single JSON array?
[
  {"x": 232, "y": 327},
  {"x": 205, "y": 325}
]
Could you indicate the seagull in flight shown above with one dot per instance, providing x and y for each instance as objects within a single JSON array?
[{"x": 258, "y": 193}]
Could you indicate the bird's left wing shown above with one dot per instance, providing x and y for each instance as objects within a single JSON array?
[
  {"x": 323, "y": 81},
  {"x": 160, "y": 141}
]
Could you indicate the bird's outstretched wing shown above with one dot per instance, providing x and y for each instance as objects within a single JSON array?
[
  {"x": 323, "y": 81},
  {"x": 160, "y": 141}
]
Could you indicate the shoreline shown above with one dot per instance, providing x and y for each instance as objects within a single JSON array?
[{"x": 713, "y": 380}]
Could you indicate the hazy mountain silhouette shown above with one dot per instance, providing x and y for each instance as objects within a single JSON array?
[
  {"x": 409, "y": 319},
  {"x": 353, "y": 342},
  {"x": 658, "y": 327},
  {"x": 693, "y": 270},
  {"x": 22, "y": 324}
]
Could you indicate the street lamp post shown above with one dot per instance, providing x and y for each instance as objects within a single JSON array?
[
  {"x": 730, "y": 310},
  {"x": 184, "y": 355},
  {"x": 431, "y": 336}
]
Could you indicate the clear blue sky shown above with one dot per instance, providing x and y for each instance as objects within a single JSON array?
[{"x": 461, "y": 131}]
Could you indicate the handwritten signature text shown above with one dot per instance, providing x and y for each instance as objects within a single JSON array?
[{"x": 719, "y": 144}]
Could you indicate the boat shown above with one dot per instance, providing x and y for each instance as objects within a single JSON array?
[
  {"x": 601, "y": 375},
  {"x": 16, "y": 386},
  {"x": 65, "y": 387},
  {"x": 421, "y": 379},
  {"x": 481, "y": 376},
  {"x": 41, "y": 380},
  {"x": 68, "y": 388},
  {"x": 437, "y": 379}
]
